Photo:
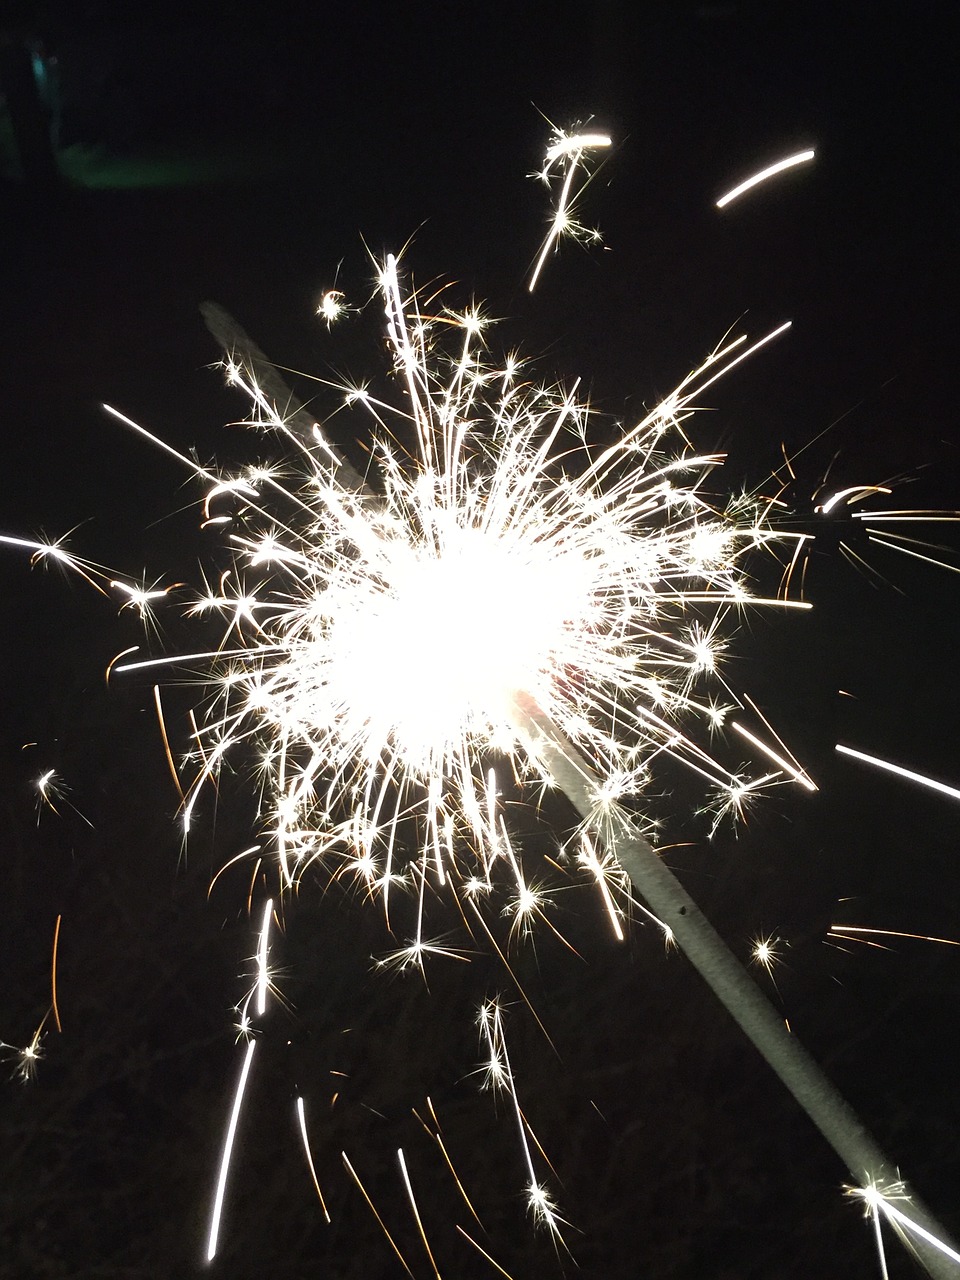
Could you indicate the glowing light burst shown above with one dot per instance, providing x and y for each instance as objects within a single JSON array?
[
  {"x": 377, "y": 640},
  {"x": 880, "y": 1201}
]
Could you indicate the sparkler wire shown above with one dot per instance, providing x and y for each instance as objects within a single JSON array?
[{"x": 723, "y": 973}]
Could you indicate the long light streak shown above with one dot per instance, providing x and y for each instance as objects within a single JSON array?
[
  {"x": 793, "y": 770},
  {"x": 907, "y": 551},
  {"x": 373, "y": 1209},
  {"x": 901, "y": 772},
  {"x": 217, "y": 1211},
  {"x": 263, "y": 953},
  {"x": 436, "y": 1135},
  {"x": 302, "y": 1122},
  {"x": 801, "y": 157},
  {"x": 479, "y": 1248},
  {"x": 53, "y": 974},
  {"x": 416, "y": 1211},
  {"x": 842, "y": 930}
]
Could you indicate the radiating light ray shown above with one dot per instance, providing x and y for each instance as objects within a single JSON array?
[
  {"x": 217, "y": 1211},
  {"x": 302, "y": 1122},
  {"x": 900, "y": 771},
  {"x": 801, "y": 157}
]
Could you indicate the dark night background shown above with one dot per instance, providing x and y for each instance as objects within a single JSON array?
[{"x": 245, "y": 158}]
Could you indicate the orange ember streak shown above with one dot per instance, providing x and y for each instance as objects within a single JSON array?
[
  {"x": 373, "y": 1209},
  {"x": 483, "y": 1251},
  {"x": 166, "y": 744},
  {"x": 53, "y": 974}
]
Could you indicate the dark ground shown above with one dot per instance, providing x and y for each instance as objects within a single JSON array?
[{"x": 243, "y": 159}]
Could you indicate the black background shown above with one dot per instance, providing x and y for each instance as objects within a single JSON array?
[{"x": 250, "y": 158}]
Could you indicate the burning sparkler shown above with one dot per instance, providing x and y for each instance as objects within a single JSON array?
[
  {"x": 501, "y": 601},
  {"x": 544, "y": 601}
]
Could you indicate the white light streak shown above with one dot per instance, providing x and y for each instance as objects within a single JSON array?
[
  {"x": 879, "y": 1200},
  {"x": 217, "y": 1212},
  {"x": 849, "y": 496},
  {"x": 922, "y": 779},
  {"x": 263, "y": 950},
  {"x": 801, "y": 157},
  {"x": 793, "y": 770},
  {"x": 416, "y": 1212},
  {"x": 302, "y": 1121}
]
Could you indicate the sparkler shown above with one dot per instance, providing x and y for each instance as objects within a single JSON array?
[
  {"x": 501, "y": 600},
  {"x": 545, "y": 601}
]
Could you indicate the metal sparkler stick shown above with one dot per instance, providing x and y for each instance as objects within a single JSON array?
[{"x": 724, "y": 974}]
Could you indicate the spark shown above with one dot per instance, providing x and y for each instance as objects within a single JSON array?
[
  {"x": 764, "y": 952},
  {"x": 373, "y": 1209},
  {"x": 332, "y": 306},
  {"x": 849, "y": 496},
  {"x": 801, "y": 157},
  {"x": 216, "y": 1214},
  {"x": 48, "y": 788},
  {"x": 53, "y": 974},
  {"x": 496, "y": 1265},
  {"x": 879, "y": 1199},
  {"x": 27, "y": 1056},
  {"x": 499, "y": 1073},
  {"x": 263, "y": 951},
  {"x": 302, "y": 1121},
  {"x": 604, "y": 868},
  {"x": 841, "y": 930},
  {"x": 438, "y": 1139},
  {"x": 567, "y": 148},
  {"x": 794, "y": 770},
  {"x": 900, "y": 771},
  {"x": 416, "y": 1212},
  {"x": 52, "y": 790}
]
